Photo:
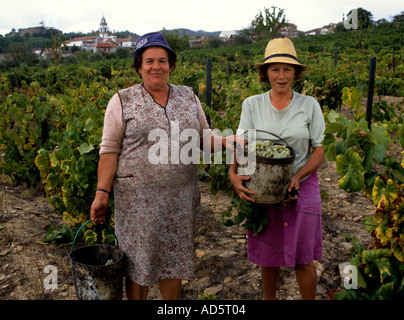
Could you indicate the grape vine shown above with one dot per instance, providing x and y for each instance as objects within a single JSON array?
[{"x": 52, "y": 119}]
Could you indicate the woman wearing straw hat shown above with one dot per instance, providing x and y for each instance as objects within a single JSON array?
[
  {"x": 293, "y": 235},
  {"x": 155, "y": 201}
]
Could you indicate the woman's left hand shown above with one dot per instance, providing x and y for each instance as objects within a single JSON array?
[
  {"x": 315, "y": 160},
  {"x": 293, "y": 185}
]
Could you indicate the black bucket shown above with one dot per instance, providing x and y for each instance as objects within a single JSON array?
[
  {"x": 271, "y": 177},
  {"x": 97, "y": 271}
]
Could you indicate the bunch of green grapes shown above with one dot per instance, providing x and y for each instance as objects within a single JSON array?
[{"x": 267, "y": 149}]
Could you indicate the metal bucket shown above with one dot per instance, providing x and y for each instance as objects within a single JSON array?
[
  {"x": 271, "y": 178},
  {"x": 97, "y": 271}
]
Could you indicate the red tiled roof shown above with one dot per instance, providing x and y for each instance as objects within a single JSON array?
[
  {"x": 106, "y": 45},
  {"x": 83, "y": 38}
]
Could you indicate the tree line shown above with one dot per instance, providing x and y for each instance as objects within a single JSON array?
[{"x": 267, "y": 24}]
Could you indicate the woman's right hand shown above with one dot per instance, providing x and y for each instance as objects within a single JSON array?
[
  {"x": 237, "y": 181},
  {"x": 99, "y": 207}
]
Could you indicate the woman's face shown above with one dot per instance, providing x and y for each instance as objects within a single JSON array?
[
  {"x": 281, "y": 76},
  {"x": 155, "y": 68}
]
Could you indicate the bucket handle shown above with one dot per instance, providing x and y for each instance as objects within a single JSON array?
[
  {"x": 78, "y": 231},
  {"x": 270, "y": 134}
]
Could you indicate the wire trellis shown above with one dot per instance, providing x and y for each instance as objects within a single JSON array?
[{"x": 271, "y": 244}]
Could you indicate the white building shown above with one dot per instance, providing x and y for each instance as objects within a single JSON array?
[
  {"x": 104, "y": 32},
  {"x": 126, "y": 42},
  {"x": 226, "y": 35},
  {"x": 103, "y": 29},
  {"x": 323, "y": 30},
  {"x": 289, "y": 31},
  {"x": 104, "y": 41},
  {"x": 85, "y": 43}
]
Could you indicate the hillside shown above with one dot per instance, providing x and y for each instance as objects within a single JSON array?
[
  {"x": 40, "y": 32},
  {"x": 31, "y": 38},
  {"x": 195, "y": 34}
]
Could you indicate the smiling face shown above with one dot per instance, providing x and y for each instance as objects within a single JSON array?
[
  {"x": 155, "y": 68},
  {"x": 281, "y": 76}
]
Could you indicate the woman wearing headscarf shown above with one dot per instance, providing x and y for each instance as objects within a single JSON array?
[{"x": 150, "y": 130}]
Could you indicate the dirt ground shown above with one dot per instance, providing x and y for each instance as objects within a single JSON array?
[{"x": 220, "y": 252}]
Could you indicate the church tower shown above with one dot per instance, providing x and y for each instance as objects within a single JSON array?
[{"x": 103, "y": 30}]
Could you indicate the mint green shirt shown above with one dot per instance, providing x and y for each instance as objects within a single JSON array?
[{"x": 300, "y": 124}]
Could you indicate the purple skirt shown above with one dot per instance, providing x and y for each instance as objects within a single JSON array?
[{"x": 293, "y": 234}]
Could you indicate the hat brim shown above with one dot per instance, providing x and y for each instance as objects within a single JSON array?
[
  {"x": 161, "y": 45},
  {"x": 281, "y": 60},
  {"x": 154, "y": 44}
]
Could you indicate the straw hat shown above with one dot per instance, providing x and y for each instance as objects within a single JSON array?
[{"x": 280, "y": 50}]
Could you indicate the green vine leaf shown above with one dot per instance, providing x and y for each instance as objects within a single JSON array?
[
  {"x": 90, "y": 237},
  {"x": 378, "y": 261},
  {"x": 387, "y": 191},
  {"x": 85, "y": 148},
  {"x": 350, "y": 168},
  {"x": 397, "y": 248}
]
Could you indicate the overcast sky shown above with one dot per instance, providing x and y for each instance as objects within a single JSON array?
[{"x": 142, "y": 16}]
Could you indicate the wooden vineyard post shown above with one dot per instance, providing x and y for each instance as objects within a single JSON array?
[
  {"x": 336, "y": 55},
  {"x": 394, "y": 60},
  {"x": 228, "y": 72},
  {"x": 44, "y": 125},
  {"x": 371, "y": 86},
  {"x": 208, "y": 87}
]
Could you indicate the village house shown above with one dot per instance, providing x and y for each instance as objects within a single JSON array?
[
  {"x": 289, "y": 31},
  {"x": 197, "y": 42},
  {"x": 227, "y": 35},
  {"x": 103, "y": 42},
  {"x": 85, "y": 43},
  {"x": 126, "y": 42},
  {"x": 323, "y": 30}
]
